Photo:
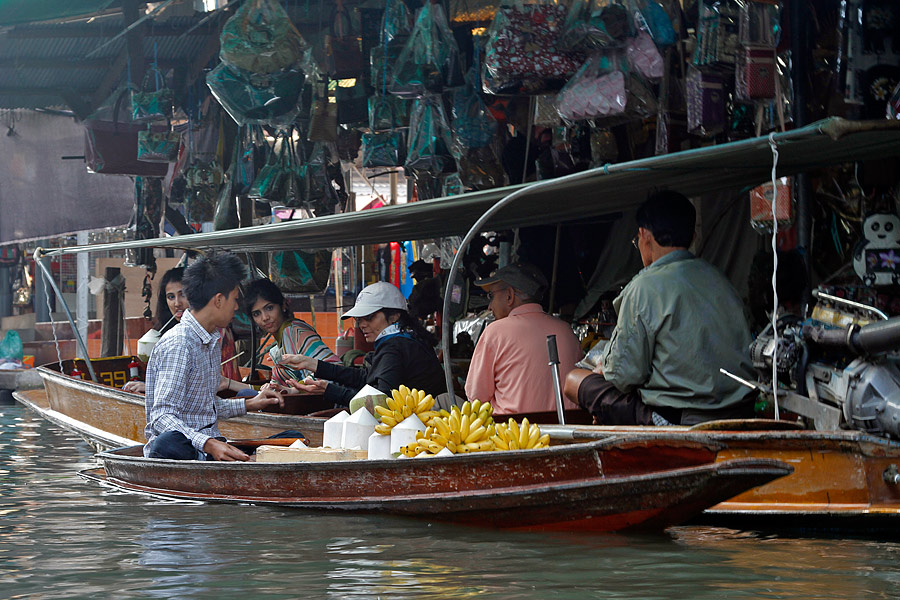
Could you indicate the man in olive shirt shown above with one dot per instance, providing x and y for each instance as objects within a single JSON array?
[{"x": 679, "y": 322}]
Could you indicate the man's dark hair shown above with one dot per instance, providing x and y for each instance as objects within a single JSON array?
[
  {"x": 670, "y": 217},
  {"x": 210, "y": 275}
]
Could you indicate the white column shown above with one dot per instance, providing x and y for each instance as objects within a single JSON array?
[{"x": 82, "y": 277}]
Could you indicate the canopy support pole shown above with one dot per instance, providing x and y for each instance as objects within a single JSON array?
[{"x": 48, "y": 278}]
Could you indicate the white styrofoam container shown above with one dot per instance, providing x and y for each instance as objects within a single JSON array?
[
  {"x": 334, "y": 429},
  {"x": 404, "y": 433},
  {"x": 379, "y": 446},
  {"x": 357, "y": 429}
]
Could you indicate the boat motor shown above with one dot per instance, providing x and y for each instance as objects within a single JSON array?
[{"x": 836, "y": 377}]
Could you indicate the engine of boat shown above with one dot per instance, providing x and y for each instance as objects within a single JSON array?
[{"x": 872, "y": 397}]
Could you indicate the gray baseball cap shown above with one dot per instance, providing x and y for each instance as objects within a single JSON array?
[{"x": 522, "y": 276}]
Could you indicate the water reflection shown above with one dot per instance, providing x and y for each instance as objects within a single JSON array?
[{"x": 61, "y": 537}]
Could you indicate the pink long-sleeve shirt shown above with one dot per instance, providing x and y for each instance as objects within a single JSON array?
[{"x": 510, "y": 366}]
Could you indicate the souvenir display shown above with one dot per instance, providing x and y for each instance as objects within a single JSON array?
[{"x": 260, "y": 38}]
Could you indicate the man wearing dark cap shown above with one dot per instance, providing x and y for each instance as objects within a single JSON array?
[
  {"x": 679, "y": 321},
  {"x": 510, "y": 368}
]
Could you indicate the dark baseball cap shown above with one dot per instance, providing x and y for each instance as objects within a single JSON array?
[{"x": 522, "y": 276}]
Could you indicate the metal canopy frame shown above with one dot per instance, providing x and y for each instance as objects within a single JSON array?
[{"x": 592, "y": 193}]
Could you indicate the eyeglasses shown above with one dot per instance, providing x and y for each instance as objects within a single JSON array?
[
  {"x": 492, "y": 294},
  {"x": 635, "y": 239}
]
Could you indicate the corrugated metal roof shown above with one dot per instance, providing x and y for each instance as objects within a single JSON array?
[{"x": 41, "y": 63}]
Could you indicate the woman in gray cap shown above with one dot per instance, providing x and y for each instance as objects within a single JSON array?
[{"x": 402, "y": 355}]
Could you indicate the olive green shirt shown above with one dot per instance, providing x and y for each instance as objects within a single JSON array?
[{"x": 679, "y": 321}]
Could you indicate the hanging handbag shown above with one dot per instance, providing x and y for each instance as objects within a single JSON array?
[
  {"x": 430, "y": 60},
  {"x": 383, "y": 148},
  {"x": 153, "y": 105},
  {"x": 111, "y": 140},
  {"x": 342, "y": 46},
  {"x": 323, "y": 118},
  {"x": 352, "y": 102},
  {"x": 429, "y": 141},
  {"x": 269, "y": 182},
  {"x": 161, "y": 147}
]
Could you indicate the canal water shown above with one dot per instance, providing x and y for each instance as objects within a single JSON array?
[{"x": 62, "y": 537}]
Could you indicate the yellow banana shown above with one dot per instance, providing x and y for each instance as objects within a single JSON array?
[
  {"x": 453, "y": 422},
  {"x": 476, "y": 435},
  {"x": 513, "y": 430},
  {"x": 485, "y": 445},
  {"x": 421, "y": 395},
  {"x": 513, "y": 445},
  {"x": 543, "y": 441},
  {"x": 475, "y": 423},
  {"x": 466, "y": 408},
  {"x": 499, "y": 442},
  {"x": 382, "y": 410},
  {"x": 389, "y": 421},
  {"x": 442, "y": 428},
  {"x": 439, "y": 439},
  {"x": 476, "y": 405},
  {"x": 404, "y": 391},
  {"x": 464, "y": 426},
  {"x": 427, "y": 416},
  {"x": 383, "y": 429},
  {"x": 533, "y": 436},
  {"x": 454, "y": 436},
  {"x": 419, "y": 435},
  {"x": 443, "y": 412},
  {"x": 397, "y": 396},
  {"x": 451, "y": 446},
  {"x": 433, "y": 447},
  {"x": 398, "y": 416},
  {"x": 523, "y": 433}
]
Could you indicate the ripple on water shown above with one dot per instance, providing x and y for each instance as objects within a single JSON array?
[{"x": 63, "y": 537}]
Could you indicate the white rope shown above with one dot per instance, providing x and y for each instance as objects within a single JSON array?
[{"x": 774, "y": 273}]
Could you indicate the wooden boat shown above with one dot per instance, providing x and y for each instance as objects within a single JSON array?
[
  {"x": 602, "y": 486},
  {"x": 104, "y": 413},
  {"x": 845, "y": 480}
]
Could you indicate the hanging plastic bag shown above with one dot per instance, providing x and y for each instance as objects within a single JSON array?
[
  {"x": 383, "y": 149},
  {"x": 583, "y": 29},
  {"x": 597, "y": 90},
  {"x": 429, "y": 138},
  {"x": 11, "y": 348},
  {"x": 523, "y": 53},
  {"x": 257, "y": 99},
  {"x": 473, "y": 124},
  {"x": 430, "y": 59},
  {"x": 272, "y": 177},
  {"x": 260, "y": 38},
  {"x": 297, "y": 271},
  {"x": 658, "y": 23},
  {"x": 388, "y": 112},
  {"x": 644, "y": 57}
]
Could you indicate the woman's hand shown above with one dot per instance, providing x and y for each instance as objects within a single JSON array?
[
  {"x": 309, "y": 386},
  {"x": 264, "y": 399},
  {"x": 135, "y": 387},
  {"x": 299, "y": 361}
]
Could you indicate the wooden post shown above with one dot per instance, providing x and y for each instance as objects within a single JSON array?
[{"x": 111, "y": 331}]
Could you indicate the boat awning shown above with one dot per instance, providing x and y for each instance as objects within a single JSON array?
[{"x": 591, "y": 193}]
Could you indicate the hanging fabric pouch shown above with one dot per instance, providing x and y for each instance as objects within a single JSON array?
[
  {"x": 597, "y": 90},
  {"x": 522, "y": 55},
  {"x": 161, "y": 147}
]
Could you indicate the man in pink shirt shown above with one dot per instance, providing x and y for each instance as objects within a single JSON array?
[{"x": 510, "y": 367}]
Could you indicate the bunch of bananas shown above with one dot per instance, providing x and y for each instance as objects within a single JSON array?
[
  {"x": 513, "y": 436},
  {"x": 471, "y": 428},
  {"x": 463, "y": 429},
  {"x": 402, "y": 403}
]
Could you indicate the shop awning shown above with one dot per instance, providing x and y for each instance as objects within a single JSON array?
[{"x": 591, "y": 193}]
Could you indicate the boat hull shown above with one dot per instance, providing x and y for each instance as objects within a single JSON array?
[
  {"x": 122, "y": 414},
  {"x": 841, "y": 479},
  {"x": 600, "y": 486}
]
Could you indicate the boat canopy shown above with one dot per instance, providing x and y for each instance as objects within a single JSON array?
[{"x": 592, "y": 193}]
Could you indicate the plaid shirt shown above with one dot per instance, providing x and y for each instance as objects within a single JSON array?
[{"x": 182, "y": 377}]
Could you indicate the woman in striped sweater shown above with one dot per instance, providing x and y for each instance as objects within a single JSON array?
[{"x": 269, "y": 309}]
